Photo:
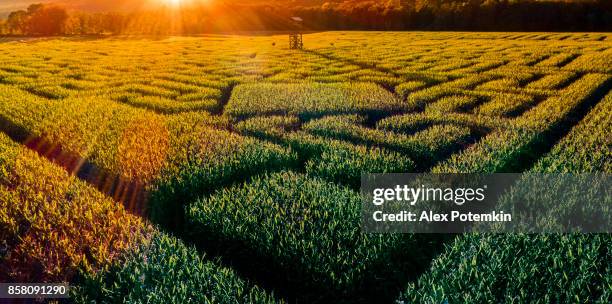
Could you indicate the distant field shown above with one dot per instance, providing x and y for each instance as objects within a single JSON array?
[{"x": 226, "y": 169}]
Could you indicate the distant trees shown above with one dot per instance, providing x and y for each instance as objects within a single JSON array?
[
  {"x": 38, "y": 20},
  {"x": 16, "y": 22},
  {"x": 487, "y": 15},
  {"x": 95, "y": 23},
  {"x": 49, "y": 20}
]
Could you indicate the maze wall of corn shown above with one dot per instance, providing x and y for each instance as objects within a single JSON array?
[{"x": 226, "y": 169}]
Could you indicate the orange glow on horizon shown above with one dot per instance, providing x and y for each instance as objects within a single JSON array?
[{"x": 173, "y": 2}]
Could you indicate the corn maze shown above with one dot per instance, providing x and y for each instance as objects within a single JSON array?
[{"x": 226, "y": 169}]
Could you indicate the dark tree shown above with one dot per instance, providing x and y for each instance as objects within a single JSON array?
[
  {"x": 16, "y": 22},
  {"x": 46, "y": 20}
]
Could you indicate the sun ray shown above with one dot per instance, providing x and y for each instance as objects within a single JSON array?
[{"x": 174, "y": 2}]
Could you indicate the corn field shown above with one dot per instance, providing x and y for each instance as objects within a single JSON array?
[{"x": 226, "y": 169}]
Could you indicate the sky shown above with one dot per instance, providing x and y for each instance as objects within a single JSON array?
[{"x": 11, "y": 5}]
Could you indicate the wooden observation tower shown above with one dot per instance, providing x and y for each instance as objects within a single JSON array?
[{"x": 295, "y": 36}]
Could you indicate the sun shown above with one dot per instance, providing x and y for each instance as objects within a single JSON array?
[{"x": 174, "y": 2}]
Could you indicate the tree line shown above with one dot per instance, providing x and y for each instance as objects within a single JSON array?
[
  {"x": 49, "y": 20},
  {"x": 483, "y": 15}
]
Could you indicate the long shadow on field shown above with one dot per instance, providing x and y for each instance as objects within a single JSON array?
[
  {"x": 226, "y": 94},
  {"x": 360, "y": 64},
  {"x": 546, "y": 140},
  {"x": 128, "y": 192},
  {"x": 383, "y": 284}
]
